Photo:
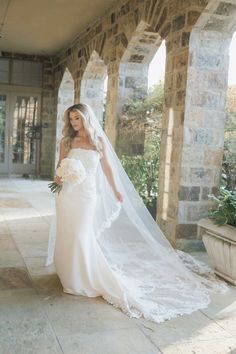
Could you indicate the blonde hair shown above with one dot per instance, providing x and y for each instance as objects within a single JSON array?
[{"x": 69, "y": 133}]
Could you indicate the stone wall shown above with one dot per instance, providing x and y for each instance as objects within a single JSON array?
[
  {"x": 130, "y": 34},
  {"x": 203, "y": 134},
  {"x": 197, "y": 34}
]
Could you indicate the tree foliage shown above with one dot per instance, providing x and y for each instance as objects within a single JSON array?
[
  {"x": 229, "y": 157},
  {"x": 138, "y": 116}
]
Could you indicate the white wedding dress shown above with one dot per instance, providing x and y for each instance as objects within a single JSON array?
[
  {"x": 78, "y": 259},
  {"x": 150, "y": 281}
]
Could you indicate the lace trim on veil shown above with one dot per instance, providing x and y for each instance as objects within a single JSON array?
[
  {"x": 106, "y": 224},
  {"x": 204, "y": 271}
]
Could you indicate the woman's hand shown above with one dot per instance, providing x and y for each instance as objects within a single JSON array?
[
  {"x": 58, "y": 180},
  {"x": 118, "y": 196}
]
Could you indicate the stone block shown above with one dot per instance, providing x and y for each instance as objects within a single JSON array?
[
  {"x": 136, "y": 58},
  {"x": 213, "y": 157},
  {"x": 189, "y": 193},
  {"x": 136, "y": 16},
  {"x": 180, "y": 79},
  {"x": 180, "y": 98},
  {"x": 181, "y": 60},
  {"x": 225, "y": 9},
  {"x": 192, "y": 17},
  {"x": 113, "y": 18},
  {"x": 178, "y": 22},
  {"x": 123, "y": 10},
  {"x": 165, "y": 30},
  {"x": 197, "y": 212},
  {"x": 192, "y": 156},
  {"x": 208, "y": 61},
  {"x": 185, "y": 39},
  {"x": 169, "y": 46},
  {"x": 182, "y": 212},
  {"x": 203, "y": 136},
  {"x": 217, "y": 80},
  {"x": 205, "y": 192},
  {"x": 201, "y": 176},
  {"x": 176, "y": 40},
  {"x": 162, "y": 18},
  {"x": 168, "y": 100},
  {"x": 186, "y": 231},
  {"x": 169, "y": 63},
  {"x": 168, "y": 82},
  {"x": 207, "y": 99},
  {"x": 214, "y": 119},
  {"x": 198, "y": 136}
]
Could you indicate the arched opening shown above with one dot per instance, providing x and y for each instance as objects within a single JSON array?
[
  {"x": 228, "y": 175},
  {"x": 66, "y": 94},
  {"x": 133, "y": 86},
  {"x": 140, "y": 112},
  {"x": 94, "y": 86},
  {"x": 156, "y": 69}
]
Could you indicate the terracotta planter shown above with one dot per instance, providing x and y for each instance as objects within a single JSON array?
[{"x": 220, "y": 243}]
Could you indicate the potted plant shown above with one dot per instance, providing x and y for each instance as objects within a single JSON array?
[{"x": 218, "y": 233}]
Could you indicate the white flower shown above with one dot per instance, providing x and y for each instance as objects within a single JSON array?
[{"x": 71, "y": 171}]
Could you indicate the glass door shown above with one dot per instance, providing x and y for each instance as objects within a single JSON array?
[
  {"x": 23, "y": 148},
  {"x": 19, "y": 133}
]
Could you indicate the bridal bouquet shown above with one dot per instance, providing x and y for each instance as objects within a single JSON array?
[{"x": 71, "y": 171}]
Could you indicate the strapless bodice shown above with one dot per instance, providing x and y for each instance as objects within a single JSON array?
[{"x": 88, "y": 157}]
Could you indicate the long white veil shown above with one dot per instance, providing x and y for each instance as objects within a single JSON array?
[{"x": 154, "y": 274}]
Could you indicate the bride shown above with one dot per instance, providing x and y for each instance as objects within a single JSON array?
[{"x": 104, "y": 242}]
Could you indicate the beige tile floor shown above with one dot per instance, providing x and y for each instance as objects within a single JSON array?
[{"x": 37, "y": 317}]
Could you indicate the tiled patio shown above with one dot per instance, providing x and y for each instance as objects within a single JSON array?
[{"x": 37, "y": 317}]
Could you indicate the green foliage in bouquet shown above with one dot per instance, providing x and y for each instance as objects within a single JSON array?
[
  {"x": 54, "y": 187},
  {"x": 225, "y": 213}
]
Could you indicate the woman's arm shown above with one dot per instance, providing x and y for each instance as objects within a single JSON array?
[
  {"x": 62, "y": 155},
  {"x": 108, "y": 172}
]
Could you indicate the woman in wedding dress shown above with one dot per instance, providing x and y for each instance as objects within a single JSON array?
[{"x": 104, "y": 242}]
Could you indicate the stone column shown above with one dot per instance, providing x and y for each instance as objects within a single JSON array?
[
  {"x": 48, "y": 119},
  {"x": 203, "y": 134},
  {"x": 172, "y": 133},
  {"x": 192, "y": 135},
  {"x": 112, "y": 102}
]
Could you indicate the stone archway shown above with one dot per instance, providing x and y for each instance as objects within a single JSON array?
[
  {"x": 133, "y": 80},
  {"x": 92, "y": 89},
  {"x": 66, "y": 94}
]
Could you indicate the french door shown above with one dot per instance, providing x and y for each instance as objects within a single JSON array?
[{"x": 19, "y": 147}]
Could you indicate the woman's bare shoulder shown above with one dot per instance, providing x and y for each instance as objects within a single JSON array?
[{"x": 62, "y": 142}]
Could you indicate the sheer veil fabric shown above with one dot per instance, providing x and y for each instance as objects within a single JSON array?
[{"x": 161, "y": 283}]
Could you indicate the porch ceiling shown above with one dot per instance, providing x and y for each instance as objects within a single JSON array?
[{"x": 45, "y": 27}]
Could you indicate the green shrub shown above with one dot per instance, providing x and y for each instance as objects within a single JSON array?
[
  {"x": 226, "y": 208},
  {"x": 143, "y": 171}
]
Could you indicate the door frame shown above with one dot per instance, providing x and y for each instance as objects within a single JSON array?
[
  {"x": 4, "y": 166},
  {"x": 11, "y": 91}
]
